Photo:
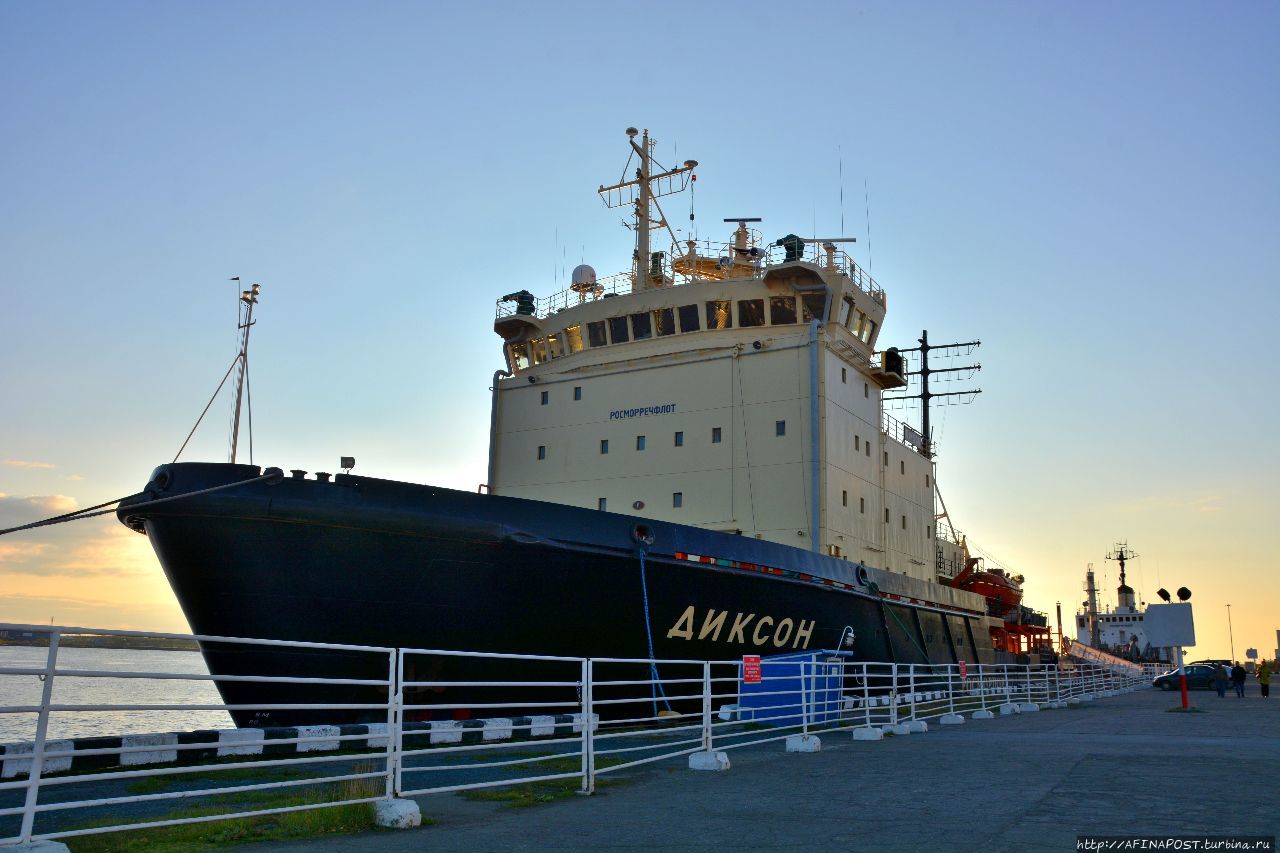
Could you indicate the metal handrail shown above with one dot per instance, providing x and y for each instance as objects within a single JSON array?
[{"x": 819, "y": 695}]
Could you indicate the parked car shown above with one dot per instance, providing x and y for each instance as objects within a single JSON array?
[{"x": 1199, "y": 677}]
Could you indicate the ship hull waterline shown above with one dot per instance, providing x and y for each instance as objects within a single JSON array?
[{"x": 381, "y": 563}]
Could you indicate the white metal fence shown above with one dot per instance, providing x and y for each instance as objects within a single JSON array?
[{"x": 423, "y": 721}]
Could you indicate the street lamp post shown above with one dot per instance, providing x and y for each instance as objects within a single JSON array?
[{"x": 1231, "y": 634}]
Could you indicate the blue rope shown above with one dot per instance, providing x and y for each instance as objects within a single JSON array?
[{"x": 656, "y": 686}]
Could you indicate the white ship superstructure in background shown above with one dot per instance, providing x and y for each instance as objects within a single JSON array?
[
  {"x": 732, "y": 386},
  {"x": 1117, "y": 630}
]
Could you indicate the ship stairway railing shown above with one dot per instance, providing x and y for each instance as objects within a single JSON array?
[{"x": 327, "y": 725}]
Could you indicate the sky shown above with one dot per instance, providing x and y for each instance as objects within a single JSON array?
[{"x": 1090, "y": 189}]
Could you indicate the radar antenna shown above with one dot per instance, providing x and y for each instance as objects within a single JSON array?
[{"x": 642, "y": 192}]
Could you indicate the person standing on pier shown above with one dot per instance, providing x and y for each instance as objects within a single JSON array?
[
  {"x": 1264, "y": 679},
  {"x": 1220, "y": 679},
  {"x": 1237, "y": 678}
]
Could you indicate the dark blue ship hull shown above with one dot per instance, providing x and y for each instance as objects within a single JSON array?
[{"x": 382, "y": 563}]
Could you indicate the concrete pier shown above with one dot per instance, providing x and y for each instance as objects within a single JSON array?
[{"x": 1122, "y": 765}]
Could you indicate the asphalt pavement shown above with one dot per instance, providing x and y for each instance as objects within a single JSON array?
[{"x": 1123, "y": 765}]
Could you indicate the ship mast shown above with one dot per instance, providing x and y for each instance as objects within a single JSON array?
[
  {"x": 248, "y": 298},
  {"x": 643, "y": 193}
]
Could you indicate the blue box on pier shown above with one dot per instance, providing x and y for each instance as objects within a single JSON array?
[{"x": 792, "y": 687}]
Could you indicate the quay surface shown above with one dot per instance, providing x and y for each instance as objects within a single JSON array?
[{"x": 1122, "y": 765}]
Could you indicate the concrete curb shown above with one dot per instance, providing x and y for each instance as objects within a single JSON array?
[{"x": 98, "y": 753}]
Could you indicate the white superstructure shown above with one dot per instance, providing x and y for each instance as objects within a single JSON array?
[
  {"x": 734, "y": 386},
  {"x": 1119, "y": 629}
]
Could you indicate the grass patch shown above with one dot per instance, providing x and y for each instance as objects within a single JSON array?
[
  {"x": 212, "y": 835},
  {"x": 524, "y": 795},
  {"x": 219, "y": 778}
]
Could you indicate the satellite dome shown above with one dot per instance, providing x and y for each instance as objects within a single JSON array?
[{"x": 584, "y": 277}]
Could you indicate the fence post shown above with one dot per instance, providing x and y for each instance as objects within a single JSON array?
[
  {"x": 911, "y": 687},
  {"x": 37, "y": 750},
  {"x": 706, "y": 705},
  {"x": 395, "y": 701},
  {"x": 588, "y": 736},
  {"x": 866, "y": 693},
  {"x": 893, "y": 695},
  {"x": 951, "y": 692}
]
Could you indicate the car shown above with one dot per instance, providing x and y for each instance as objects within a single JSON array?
[{"x": 1199, "y": 677}]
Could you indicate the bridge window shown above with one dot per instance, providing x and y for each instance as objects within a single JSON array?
[
  {"x": 664, "y": 322},
  {"x": 573, "y": 338},
  {"x": 555, "y": 345},
  {"x": 596, "y": 335},
  {"x": 677, "y": 499},
  {"x": 846, "y": 310},
  {"x": 718, "y": 314},
  {"x": 868, "y": 330},
  {"x": 542, "y": 452},
  {"x": 618, "y": 330},
  {"x": 641, "y": 326},
  {"x": 519, "y": 355},
  {"x": 639, "y": 442},
  {"x": 782, "y": 310},
  {"x": 854, "y": 323},
  {"x": 750, "y": 312},
  {"x": 577, "y": 392},
  {"x": 813, "y": 305},
  {"x": 538, "y": 350},
  {"x": 679, "y": 439},
  {"x": 688, "y": 318},
  {"x": 779, "y": 427},
  {"x": 604, "y": 445},
  {"x": 715, "y": 435}
]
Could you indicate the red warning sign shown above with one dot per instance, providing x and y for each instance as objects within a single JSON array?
[
  {"x": 964, "y": 669},
  {"x": 751, "y": 669}
]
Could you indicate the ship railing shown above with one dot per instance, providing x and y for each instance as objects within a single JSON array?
[
  {"x": 707, "y": 260},
  {"x": 439, "y": 721}
]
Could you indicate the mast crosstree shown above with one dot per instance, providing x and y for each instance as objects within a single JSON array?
[{"x": 643, "y": 193}]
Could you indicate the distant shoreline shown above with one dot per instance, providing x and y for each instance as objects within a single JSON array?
[{"x": 89, "y": 641}]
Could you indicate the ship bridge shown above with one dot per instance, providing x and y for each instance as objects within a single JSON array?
[{"x": 734, "y": 386}]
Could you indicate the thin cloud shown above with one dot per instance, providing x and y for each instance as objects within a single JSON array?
[
  {"x": 23, "y": 463},
  {"x": 98, "y": 547}
]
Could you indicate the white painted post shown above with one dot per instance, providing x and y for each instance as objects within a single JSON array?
[
  {"x": 804, "y": 699},
  {"x": 867, "y": 696},
  {"x": 395, "y": 702},
  {"x": 706, "y": 705},
  {"x": 911, "y": 686},
  {"x": 588, "y": 732},
  {"x": 893, "y": 696},
  {"x": 37, "y": 749},
  {"x": 951, "y": 693}
]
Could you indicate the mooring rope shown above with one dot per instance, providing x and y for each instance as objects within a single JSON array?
[
  {"x": 655, "y": 682},
  {"x": 88, "y": 512}
]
